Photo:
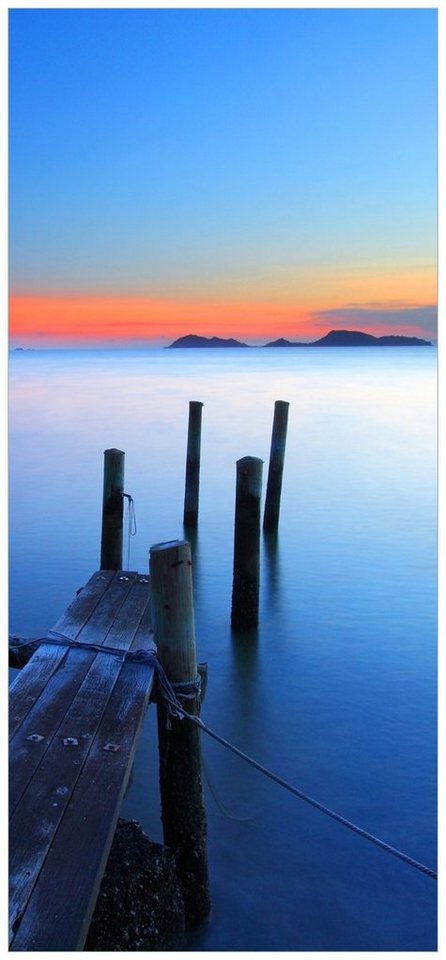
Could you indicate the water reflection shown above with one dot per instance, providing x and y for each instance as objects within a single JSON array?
[
  {"x": 349, "y": 710},
  {"x": 271, "y": 571},
  {"x": 244, "y": 680}
]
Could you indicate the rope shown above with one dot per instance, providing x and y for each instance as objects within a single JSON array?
[
  {"x": 171, "y": 692},
  {"x": 218, "y": 802},
  {"x": 174, "y": 705},
  {"x": 191, "y": 689},
  {"x": 131, "y": 520},
  {"x": 136, "y": 656}
]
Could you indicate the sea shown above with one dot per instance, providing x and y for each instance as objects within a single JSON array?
[{"x": 336, "y": 690}]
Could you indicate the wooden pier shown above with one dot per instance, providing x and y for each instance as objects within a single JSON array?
[
  {"x": 76, "y": 712},
  {"x": 75, "y": 717}
]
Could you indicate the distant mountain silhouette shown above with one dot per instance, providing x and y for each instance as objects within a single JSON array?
[
  {"x": 286, "y": 343},
  {"x": 346, "y": 338},
  {"x": 403, "y": 342},
  {"x": 336, "y": 338},
  {"x": 354, "y": 338},
  {"x": 191, "y": 340}
]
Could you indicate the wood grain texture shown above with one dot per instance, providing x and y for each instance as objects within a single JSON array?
[
  {"x": 182, "y": 803},
  {"x": 246, "y": 570},
  {"x": 30, "y": 682},
  {"x": 275, "y": 468},
  {"x": 112, "y": 510},
  {"x": 91, "y": 698},
  {"x": 192, "y": 486},
  {"x": 112, "y": 621}
]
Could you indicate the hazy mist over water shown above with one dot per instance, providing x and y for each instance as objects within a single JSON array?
[{"x": 336, "y": 691}]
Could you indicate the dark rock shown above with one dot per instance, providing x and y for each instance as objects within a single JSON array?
[
  {"x": 192, "y": 340},
  {"x": 285, "y": 343},
  {"x": 140, "y": 906},
  {"x": 397, "y": 341},
  {"x": 335, "y": 338},
  {"x": 355, "y": 338}
]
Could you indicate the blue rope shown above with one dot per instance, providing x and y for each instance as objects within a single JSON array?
[
  {"x": 131, "y": 519},
  {"x": 59, "y": 639},
  {"x": 171, "y": 692},
  {"x": 303, "y": 796}
]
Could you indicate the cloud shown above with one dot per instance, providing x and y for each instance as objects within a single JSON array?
[{"x": 376, "y": 315}]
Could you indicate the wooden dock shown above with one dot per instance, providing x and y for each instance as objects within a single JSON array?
[{"x": 75, "y": 717}]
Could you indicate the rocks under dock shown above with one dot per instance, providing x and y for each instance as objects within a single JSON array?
[{"x": 140, "y": 905}]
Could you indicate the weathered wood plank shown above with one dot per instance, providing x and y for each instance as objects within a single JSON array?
[
  {"x": 44, "y": 801},
  {"x": 62, "y": 902},
  {"x": 81, "y": 608},
  {"x": 28, "y": 685},
  {"x": 44, "y": 720},
  {"x": 48, "y": 709},
  {"x": 95, "y": 629},
  {"x": 121, "y": 632},
  {"x": 182, "y": 802}
]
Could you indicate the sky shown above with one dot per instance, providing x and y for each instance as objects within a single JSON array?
[{"x": 249, "y": 173}]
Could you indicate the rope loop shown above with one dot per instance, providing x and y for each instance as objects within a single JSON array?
[
  {"x": 187, "y": 690},
  {"x": 131, "y": 520},
  {"x": 131, "y": 514}
]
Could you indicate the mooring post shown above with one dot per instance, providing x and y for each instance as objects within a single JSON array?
[
  {"x": 245, "y": 583},
  {"x": 193, "y": 464},
  {"x": 112, "y": 510},
  {"x": 275, "y": 470},
  {"x": 182, "y": 803}
]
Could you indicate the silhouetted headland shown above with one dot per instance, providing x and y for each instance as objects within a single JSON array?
[
  {"x": 336, "y": 338},
  {"x": 191, "y": 340},
  {"x": 354, "y": 338}
]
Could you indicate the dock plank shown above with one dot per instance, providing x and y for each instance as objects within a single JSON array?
[
  {"x": 28, "y": 686},
  {"x": 62, "y": 902},
  {"x": 79, "y": 710},
  {"x": 47, "y": 710},
  {"x": 44, "y": 720}
]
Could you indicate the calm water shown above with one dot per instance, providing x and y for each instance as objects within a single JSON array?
[{"x": 336, "y": 691}]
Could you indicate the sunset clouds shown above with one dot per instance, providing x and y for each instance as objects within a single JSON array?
[{"x": 90, "y": 321}]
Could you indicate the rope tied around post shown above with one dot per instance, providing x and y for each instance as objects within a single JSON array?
[
  {"x": 172, "y": 693},
  {"x": 131, "y": 520}
]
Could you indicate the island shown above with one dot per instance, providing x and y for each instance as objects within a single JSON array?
[
  {"x": 286, "y": 343},
  {"x": 191, "y": 340},
  {"x": 353, "y": 338},
  {"x": 335, "y": 338}
]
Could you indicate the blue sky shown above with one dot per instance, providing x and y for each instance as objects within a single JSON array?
[{"x": 248, "y": 156}]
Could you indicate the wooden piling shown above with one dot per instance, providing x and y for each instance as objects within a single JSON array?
[
  {"x": 275, "y": 470},
  {"x": 112, "y": 510},
  {"x": 245, "y": 584},
  {"x": 190, "y": 518},
  {"x": 182, "y": 804}
]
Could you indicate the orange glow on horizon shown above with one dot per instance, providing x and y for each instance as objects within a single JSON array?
[{"x": 67, "y": 320}]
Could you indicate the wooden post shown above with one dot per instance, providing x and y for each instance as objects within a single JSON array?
[
  {"x": 193, "y": 464},
  {"x": 182, "y": 804},
  {"x": 245, "y": 584},
  {"x": 275, "y": 471},
  {"x": 112, "y": 510}
]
